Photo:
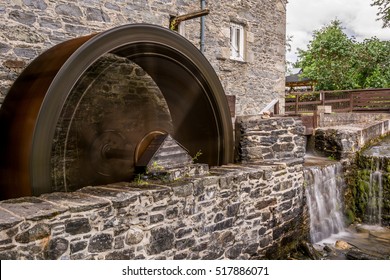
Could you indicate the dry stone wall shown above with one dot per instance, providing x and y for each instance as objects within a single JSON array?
[
  {"x": 237, "y": 211},
  {"x": 29, "y": 27}
]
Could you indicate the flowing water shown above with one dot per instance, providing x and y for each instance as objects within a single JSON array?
[
  {"x": 374, "y": 206},
  {"x": 324, "y": 185},
  {"x": 378, "y": 156}
]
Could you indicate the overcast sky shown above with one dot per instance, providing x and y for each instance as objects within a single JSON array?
[{"x": 357, "y": 16}]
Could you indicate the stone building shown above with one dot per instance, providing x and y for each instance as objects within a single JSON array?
[
  {"x": 250, "y": 210},
  {"x": 243, "y": 39}
]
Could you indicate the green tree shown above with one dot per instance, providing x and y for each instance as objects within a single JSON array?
[
  {"x": 337, "y": 62},
  {"x": 372, "y": 65},
  {"x": 329, "y": 58},
  {"x": 384, "y": 11}
]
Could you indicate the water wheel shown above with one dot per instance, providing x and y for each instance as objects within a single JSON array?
[{"x": 83, "y": 111}]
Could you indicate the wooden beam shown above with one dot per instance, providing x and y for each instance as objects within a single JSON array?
[{"x": 176, "y": 20}]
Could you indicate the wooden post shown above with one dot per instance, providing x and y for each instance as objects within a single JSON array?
[
  {"x": 322, "y": 94},
  {"x": 351, "y": 102},
  {"x": 296, "y": 103},
  {"x": 276, "y": 108}
]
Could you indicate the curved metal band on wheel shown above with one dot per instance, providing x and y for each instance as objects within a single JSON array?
[{"x": 31, "y": 110}]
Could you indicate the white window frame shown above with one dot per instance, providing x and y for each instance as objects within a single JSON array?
[{"x": 237, "y": 41}]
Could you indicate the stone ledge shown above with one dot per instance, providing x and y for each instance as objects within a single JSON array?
[
  {"x": 155, "y": 221},
  {"x": 344, "y": 141}
]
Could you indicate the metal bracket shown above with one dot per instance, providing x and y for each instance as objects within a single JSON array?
[{"x": 174, "y": 21}]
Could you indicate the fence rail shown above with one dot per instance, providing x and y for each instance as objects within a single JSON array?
[{"x": 341, "y": 101}]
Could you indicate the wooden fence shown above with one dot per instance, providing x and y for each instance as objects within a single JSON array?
[{"x": 377, "y": 100}]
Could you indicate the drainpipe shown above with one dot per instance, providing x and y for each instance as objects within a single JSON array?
[{"x": 202, "y": 26}]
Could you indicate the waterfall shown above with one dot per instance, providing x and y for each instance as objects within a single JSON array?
[
  {"x": 375, "y": 198},
  {"x": 323, "y": 188}
]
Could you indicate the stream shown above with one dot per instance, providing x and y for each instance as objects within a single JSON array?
[{"x": 330, "y": 237}]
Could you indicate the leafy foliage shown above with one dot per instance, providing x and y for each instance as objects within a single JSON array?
[
  {"x": 384, "y": 11},
  {"x": 373, "y": 63},
  {"x": 337, "y": 62}
]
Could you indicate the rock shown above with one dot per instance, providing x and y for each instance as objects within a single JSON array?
[
  {"x": 127, "y": 254},
  {"x": 37, "y": 232},
  {"x": 355, "y": 254},
  {"x": 266, "y": 115},
  {"x": 342, "y": 245},
  {"x": 308, "y": 250},
  {"x": 134, "y": 236},
  {"x": 328, "y": 249},
  {"x": 161, "y": 239},
  {"x": 77, "y": 226},
  {"x": 100, "y": 243},
  {"x": 56, "y": 248}
]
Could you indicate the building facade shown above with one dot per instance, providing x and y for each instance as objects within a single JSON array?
[{"x": 244, "y": 40}]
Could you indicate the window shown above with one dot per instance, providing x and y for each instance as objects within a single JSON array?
[{"x": 237, "y": 41}]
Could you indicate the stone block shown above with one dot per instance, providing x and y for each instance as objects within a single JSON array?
[
  {"x": 161, "y": 239},
  {"x": 118, "y": 196},
  {"x": 185, "y": 243},
  {"x": 32, "y": 208},
  {"x": 76, "y": 201},
  {"x": 264, "y": 203},
  {"x": 127, "y": 254},
  {"x": 37, "y": 232},
  {"x": 78, "y": 246},
  {"x": 100, "y": 242},
  {"x": 235, "y": 251},
  {"x": 134, "y": 236},
  {"x": 56, "y": 248},
  {"x": 77, "y": 226}
]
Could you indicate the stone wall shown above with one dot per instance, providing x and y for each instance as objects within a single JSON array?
[
  {"x": 270, "y": 140},
  {"x": 326, "y": 120},
  {"x": 30, "y": 27},
  {"x": 368, "y": 200},
  {"x": 342, "y": 142},
  {"x": 242, "y": 211}
]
